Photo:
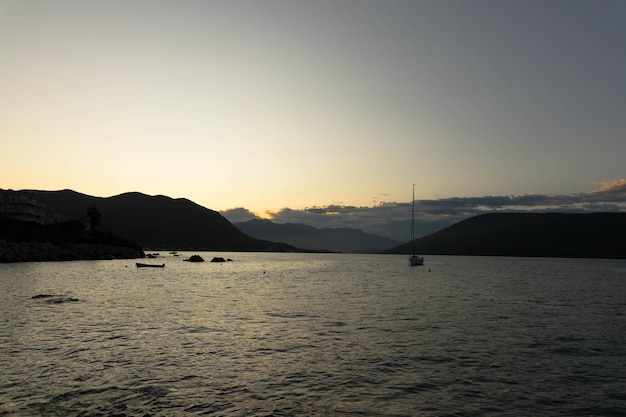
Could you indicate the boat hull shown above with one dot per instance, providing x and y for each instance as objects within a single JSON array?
[
  {"x": 140, "y": 265},
  {"x": 416, "y": 260}
]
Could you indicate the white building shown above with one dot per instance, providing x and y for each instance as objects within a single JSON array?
[{"x": 22, "y": 205}]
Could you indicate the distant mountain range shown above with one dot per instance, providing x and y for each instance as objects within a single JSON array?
[
  {"x": 159, "y": 222},
  {"x": 596, "y": 235},
  {"x": 308, "y": 237}
]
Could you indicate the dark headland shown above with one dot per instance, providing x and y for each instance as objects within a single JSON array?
[
  {"x": 128, "y": 223},
  {"x": 160, "y": 222},
  {"x": 595, "y": 235}
]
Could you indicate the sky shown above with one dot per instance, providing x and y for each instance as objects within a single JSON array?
[{"x": 327, "y": 111}]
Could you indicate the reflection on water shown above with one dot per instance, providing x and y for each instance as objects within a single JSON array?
[{"x": 314, "y": 334}]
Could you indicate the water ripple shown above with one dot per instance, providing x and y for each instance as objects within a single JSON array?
[{"x": 315, "y": 335}]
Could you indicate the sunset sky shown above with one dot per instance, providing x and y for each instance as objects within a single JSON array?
[{"x": 281, "y": 106}]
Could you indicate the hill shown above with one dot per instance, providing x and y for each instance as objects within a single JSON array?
[
  {"x": 159, "y": 222},
  {"x": 596, "y": 235},
  {"x": 308, "y": 237}
]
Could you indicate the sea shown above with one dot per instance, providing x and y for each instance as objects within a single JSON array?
[{"x": 284, "y": 334}]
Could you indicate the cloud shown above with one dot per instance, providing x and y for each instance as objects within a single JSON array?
[
  {"x": 392, "y": 219},
  {"x": 611, "y": 187},
  {"x": 238, "y": 214}
]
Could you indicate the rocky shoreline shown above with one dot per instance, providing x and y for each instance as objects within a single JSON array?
[{"x": 45, "y": 251}]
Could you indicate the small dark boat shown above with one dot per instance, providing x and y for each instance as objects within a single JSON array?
[
  {"x": 218, "y": 259},
  {"x": 140, "y": 265}
]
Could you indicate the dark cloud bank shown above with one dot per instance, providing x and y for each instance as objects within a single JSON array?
[{"x": 392, "y": 219}]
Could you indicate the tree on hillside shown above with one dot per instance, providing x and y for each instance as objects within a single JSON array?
[{"x": 94, "y": 217}]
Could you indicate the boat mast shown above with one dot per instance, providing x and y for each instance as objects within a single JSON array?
[{"x": 413, "y": 222}]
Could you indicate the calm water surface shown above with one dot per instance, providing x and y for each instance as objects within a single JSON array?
[{"x": 314, "y": 334}]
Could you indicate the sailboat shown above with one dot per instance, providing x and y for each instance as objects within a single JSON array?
[{"x": 414, "y": 260}]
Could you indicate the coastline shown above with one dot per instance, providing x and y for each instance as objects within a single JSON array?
[{"x": 45, "y": 251}]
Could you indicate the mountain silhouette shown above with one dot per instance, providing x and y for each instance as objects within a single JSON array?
[
  {"x": 595, "y": 235},
  {"x": 308, "y": 237},
  {"x": 159, "y": 222}
]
